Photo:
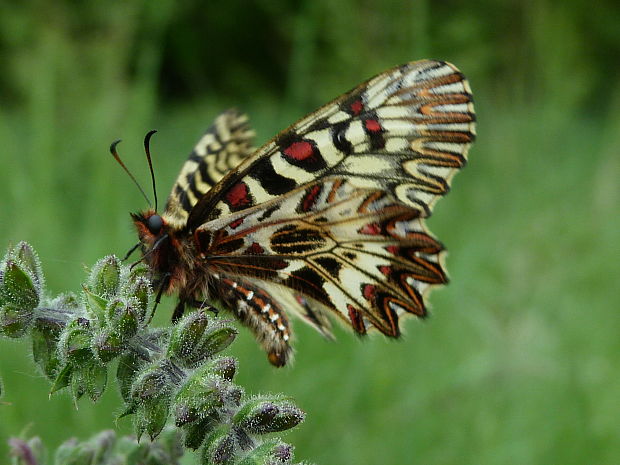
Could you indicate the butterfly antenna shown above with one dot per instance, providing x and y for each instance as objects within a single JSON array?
[
  {"x": 120, "y": 162},
  {"x": 147, "y": 140}
]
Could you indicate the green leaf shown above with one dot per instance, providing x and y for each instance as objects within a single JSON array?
[
  {"x": 63, "y": 379},
  {"x": 45, "y": 336}
]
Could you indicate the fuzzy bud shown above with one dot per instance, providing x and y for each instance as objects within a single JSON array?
[
  {"x": 194, "y": 339},
  {"x": 75, "y": 342},
  {"x": 264, "y": 415},
  {"x": 18, "y": 299},
  {"x": 272, "y": 452},
  {"x": 219, "y": 447},
  {"x": 104, "y": 278},
  {"x": 29, "y": 261},
  {"x": 224, "y": 367},
  {"x": 198, "y": 398}
]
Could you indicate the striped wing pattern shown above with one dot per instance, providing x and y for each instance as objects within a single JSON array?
[
  {"x": 405, "y": 131},
  {"x": 222, "y": 147},
  {"x": 328, "y": 217}
]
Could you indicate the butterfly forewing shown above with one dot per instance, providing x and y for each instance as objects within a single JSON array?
[
  {"x": 328, "y": 217},
  {"x": 405, "y": 131}
]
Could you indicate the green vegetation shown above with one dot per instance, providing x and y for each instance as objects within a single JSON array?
[{"x": 519, "y": 362}]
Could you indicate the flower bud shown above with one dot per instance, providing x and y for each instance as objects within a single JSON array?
[
  {"x": 272, "y": 452},
  {"x": 15, "y": 320},
  {"x": 224, "y": 367},
  {"x": 194, "y": 433},
  {"x": 197, "y": 399},
  {"x": 129, "y": 365},
  {"x": 219, "y": 447},
  {"x": 263, "y": 415},
  {"x": 151, "y": 417},
  {"x": 194, "y": 339},
  {"x": 139, "y": 291},
  {"x": 75, "y": 342},
  {"x": 29, "y": 261},
  {"x": 153, "y": 382},
  {"x": 95, "y": 377},
  {"x": 104, "y": 278},
  {"x": 18, "y": 299}
]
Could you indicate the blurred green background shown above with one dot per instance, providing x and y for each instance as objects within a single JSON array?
[{"x": 520, "y": 361}]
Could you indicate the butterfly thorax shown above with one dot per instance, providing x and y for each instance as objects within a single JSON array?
[{"x": 169, "y": 254}]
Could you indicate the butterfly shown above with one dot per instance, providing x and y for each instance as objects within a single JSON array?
[{"x": 327, "y": 218}]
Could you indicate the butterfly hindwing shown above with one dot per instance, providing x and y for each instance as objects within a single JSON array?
[
  {"x": 357, "y": 252},
  {"x": 222, "y": 147}
]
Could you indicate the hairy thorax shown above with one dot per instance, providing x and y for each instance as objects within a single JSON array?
[{"x": 171, "y": 257}]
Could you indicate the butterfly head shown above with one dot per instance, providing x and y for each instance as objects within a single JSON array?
[{"x": 151, "y": 228}]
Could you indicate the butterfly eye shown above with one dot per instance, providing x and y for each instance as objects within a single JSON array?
[{"x": 154, "y": 223}]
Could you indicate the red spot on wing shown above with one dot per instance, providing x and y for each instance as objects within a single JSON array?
[
  {"x": 372, "y": 229},
  {"x": 255, "y": 249},
  {"x": 310, "y": 198},
  {"x": 393, "y": 249},
  {"x": 372, "y": 125},
  {"x": 235, "y": 224},
  {"x": 238, "y": 196},
  {"x": 357, "y": 320},
  {"x": 369, "y": 291},
  {"x": 357, "y": 107},
  {"x": 386, "y": 270},
  {"x": 299, "y": 151}
]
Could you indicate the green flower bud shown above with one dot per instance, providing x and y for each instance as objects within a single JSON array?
[
  {"x": 125, "y": 322},
  {"x": 15, "y": 320},
  {"x": 151, "y": 417},
  {"x": 265, "y": 415},
  {"x": 197, "y": 399},
  {"x": 97, "y": 306},
  {"x": 224, "y": 367},
  {"x": 105, "y": 276},
  {"x": 29, "y": 261},
  {"x": 129, "y": 364},
  {"x": 16, "y": 286},
  {"x": 75, "y": 342},
  {"x": 272, "y": 452},
  {"x": 18, "y": 298},
  {"x": 69, "y": 453},
  {"x": 139, "y": 294},
  {"x": 151, "y": 383},
  {"x": 186, "y": 335},
  {"x": 194, "y": 339},
  {"x": 95, "y": 377},
  {"x": 63, "y": 379},
  {"x": 196, "y": 432},
  {"x": 219, "y": 447},
  {"x": 107, "y": 345}
]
